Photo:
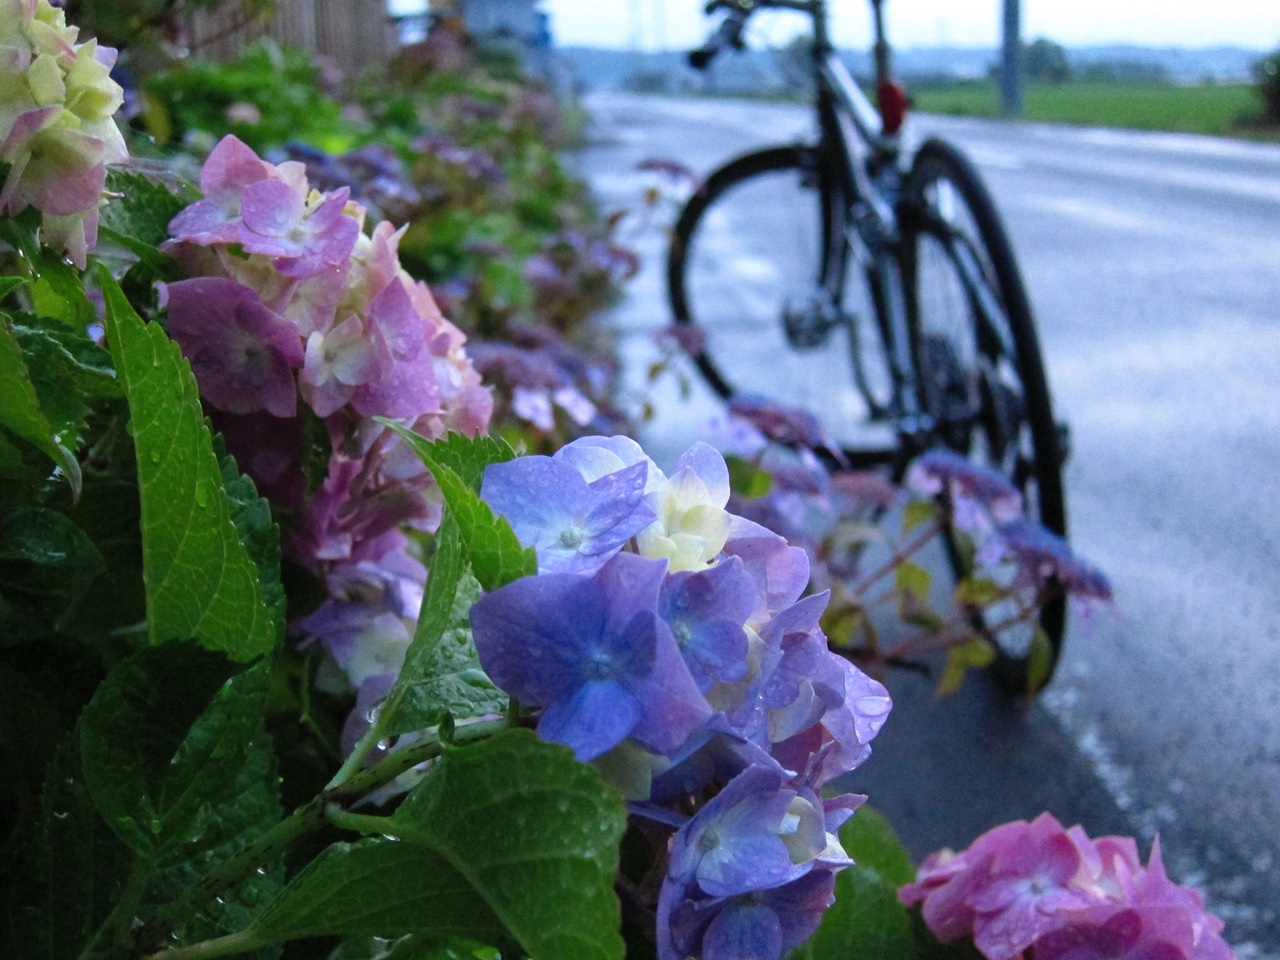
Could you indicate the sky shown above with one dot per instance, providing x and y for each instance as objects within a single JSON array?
[{"x": 658, "y": 24}]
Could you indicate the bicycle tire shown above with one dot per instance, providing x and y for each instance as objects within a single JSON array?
[
  {"x": 742, "y": 338},
  {"x": 1009, "y": 391}
]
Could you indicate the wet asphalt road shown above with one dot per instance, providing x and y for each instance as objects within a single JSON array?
[{"x": 1153, "y": 262}]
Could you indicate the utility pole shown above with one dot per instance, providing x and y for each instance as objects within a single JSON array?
[{"x": 1011, "y": 60}]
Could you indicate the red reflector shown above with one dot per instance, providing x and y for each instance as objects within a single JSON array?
[{"x": 893, "y": 105}]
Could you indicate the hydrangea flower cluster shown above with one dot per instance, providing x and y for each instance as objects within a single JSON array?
[
  {"x": 666, "y": 640},
  {"x": 57, "y": 132},
  {"x": 1034, "y": 890},
  {"x": 296, "y": 320}
]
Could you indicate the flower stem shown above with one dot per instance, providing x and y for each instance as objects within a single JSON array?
[
  {"x": 900, "y": 556},
  {"x": 232, "y": 943}
]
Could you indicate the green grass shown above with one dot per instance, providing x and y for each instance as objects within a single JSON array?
[{"x": 1220, "y": 110}]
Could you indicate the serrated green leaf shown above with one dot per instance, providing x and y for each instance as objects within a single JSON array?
[
  {"x": 253, "y": 808},
  {"x": 380, "y": 888},
  {"x": 917, "y": 512},
  {"x": 131, "y": 732},
  {"x": 201, "y": 582},
  {"x": 536, "y": 834},
  {"x": 468, "y": 456},
  {"x": 55, "y": 285},
  {"x": 258, "y": 531},
  {"x": 143, "y": 208},
  {"x": 21, "y": 412},
  {"x": 495, "y": 554},
  {"x": 867, "y": 920},
  {"x": 748, "y": 480},
  {"x": 442, "y": 673}
]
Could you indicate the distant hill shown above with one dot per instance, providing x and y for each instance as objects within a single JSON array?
[{"x": 766, "y": 71}]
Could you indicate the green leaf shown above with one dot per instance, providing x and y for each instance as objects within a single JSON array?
[
  {"x": 142, "y": 753},
  {"x": 468, "y": 456},
  {"x": 496, "y": 555},
  {"x": 56, "y": 287},
  {"x": 258, "y": 531},
  {"x": 70, "y": 874},
  {"x": 46, "y": 557},
  {"x": 442, "y": 673},
  {"x": 21, "y": 412},
  {"x": 10, "y": 284},
  {"x": 1039, "y": 661},
  {"x": 253, "y": 808},
  {"x": 977, "y": 592},
  {"x": 381, "y": 888},
  {"x": 869, "y": 838},
  {"x": 536, "y": 834},
  {"x": 976, "y": 652},
  {"x": 143, "y": 209},
  {"x": 913, "y": 578},
  {"x": 201, "y": 582},
  {"x": 747, "y": 479},
  {"x": 867, "y": 920},
  {"x": 917, "y": 512}
]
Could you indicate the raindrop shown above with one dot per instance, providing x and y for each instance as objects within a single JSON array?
[
  {"x": 373, "y": 713},
  {"x": 261, "y": 871},
  {"x": 202, "y": 494},
  {"x": 155, "y": 456},
  {"x": 385, "y": 744},
  {"x": 61, "y": 814}
]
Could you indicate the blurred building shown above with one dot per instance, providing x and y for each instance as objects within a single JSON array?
[{"x": 517, "y": 25}]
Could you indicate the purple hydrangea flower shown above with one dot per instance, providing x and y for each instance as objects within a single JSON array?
[
  {"x": 230, "y": 168},
  {"x": 761, "y": 925},
  {"x": 594, "y": 655},
  {"x": 243, "y": 355},
  {"x": 781, "y": 571},
  {"x": 1041, "y": 556},
  {"x": 971, "y": 487},
  {"x": 706, "y": 612},
  {"x": 574, "y": 525},
  {"x": 736, "y": 883},
  {"x": 276, "y": 220}
]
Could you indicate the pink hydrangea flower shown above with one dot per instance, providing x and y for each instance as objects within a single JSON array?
[{"x": 1036, "y": 890}]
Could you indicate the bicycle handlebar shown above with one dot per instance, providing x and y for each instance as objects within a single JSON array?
[{"x": 728, "y": 34}]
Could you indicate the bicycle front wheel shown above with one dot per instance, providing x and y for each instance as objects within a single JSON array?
[
  {"x": 759, "y": 265},
  {"x": 981, "y": 373}
]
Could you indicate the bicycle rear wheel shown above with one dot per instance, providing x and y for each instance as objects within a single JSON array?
[
  {"x": 981, "y": 372},
  {"x": 760, "y": 266}
]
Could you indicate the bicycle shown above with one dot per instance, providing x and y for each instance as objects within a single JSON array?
[{"x": 894, "y": 309}]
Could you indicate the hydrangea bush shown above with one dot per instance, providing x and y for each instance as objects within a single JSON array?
[{"x": 607, "y": 722}]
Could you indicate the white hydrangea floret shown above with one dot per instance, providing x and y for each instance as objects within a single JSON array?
[{"x": 692, "y": 524}]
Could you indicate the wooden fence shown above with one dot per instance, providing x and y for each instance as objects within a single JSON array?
[{"x": 354, "y": 34}]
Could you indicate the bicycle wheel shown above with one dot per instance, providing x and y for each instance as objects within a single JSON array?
[
  {"x": 980, "y": 370},
  {"x": 760, "y": 266}
]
